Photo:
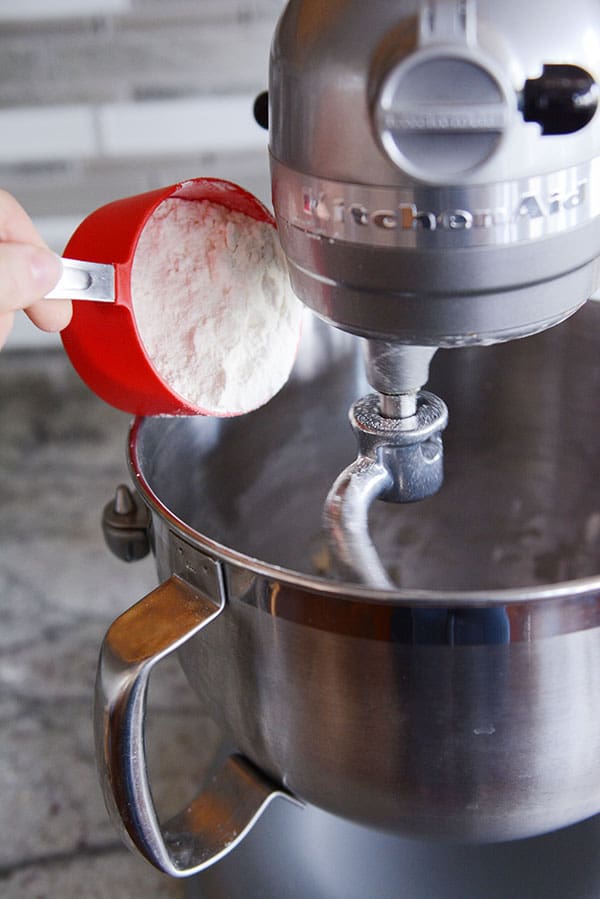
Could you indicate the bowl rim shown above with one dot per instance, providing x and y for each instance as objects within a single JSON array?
[{"x": 578, "y": 588}]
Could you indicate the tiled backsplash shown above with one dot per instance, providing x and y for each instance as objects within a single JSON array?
[{"x": 104, "y": 98}]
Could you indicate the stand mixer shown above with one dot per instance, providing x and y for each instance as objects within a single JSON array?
[
  {"x": 436, "y": 184},
  {"x": 435, "y": 169}
]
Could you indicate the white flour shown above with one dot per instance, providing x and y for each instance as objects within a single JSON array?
[{"x": 213, "y": 305}]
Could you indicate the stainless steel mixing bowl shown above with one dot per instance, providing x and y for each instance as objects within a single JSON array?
[{"x": 462, "y": 706}]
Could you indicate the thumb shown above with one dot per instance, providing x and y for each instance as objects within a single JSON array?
[{"x": 27, "y": 273}]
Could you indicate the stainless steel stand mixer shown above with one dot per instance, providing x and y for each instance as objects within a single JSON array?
[{"x": 436, "y": 184}]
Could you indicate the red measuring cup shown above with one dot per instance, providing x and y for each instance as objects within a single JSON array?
[{"x": 102, "y": 340}]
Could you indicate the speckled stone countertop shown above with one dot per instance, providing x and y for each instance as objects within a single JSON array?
[{"x": 62, "y": 453}]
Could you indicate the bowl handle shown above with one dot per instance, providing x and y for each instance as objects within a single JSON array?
[{"x": 217, "y": 819}]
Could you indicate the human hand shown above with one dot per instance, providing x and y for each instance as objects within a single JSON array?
[{"x": 28, "y": 271}]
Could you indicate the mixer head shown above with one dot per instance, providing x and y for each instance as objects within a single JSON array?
[{"x": 436, "y": 179}]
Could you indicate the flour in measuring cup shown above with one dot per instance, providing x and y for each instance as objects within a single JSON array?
[{"x": 213, "y": 305}]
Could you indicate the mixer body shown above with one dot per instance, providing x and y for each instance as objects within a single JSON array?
[{"x": 436, "y": 183}]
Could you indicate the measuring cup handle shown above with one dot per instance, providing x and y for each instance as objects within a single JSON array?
[
  {"x": 217, "y": 819},
  {"x": 80, "y": 280}
]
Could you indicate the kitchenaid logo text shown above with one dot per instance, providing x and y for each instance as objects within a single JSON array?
[
  {"x": 409, "y": 217},
  {"x": 446, "y": 121}
]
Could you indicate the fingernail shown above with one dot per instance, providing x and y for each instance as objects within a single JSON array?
[{"x": 46, "y": 268}]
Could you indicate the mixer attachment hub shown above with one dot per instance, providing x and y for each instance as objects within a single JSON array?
[
  {"x": 410, "y": 449},
  {"x": 399, "y": 460}
]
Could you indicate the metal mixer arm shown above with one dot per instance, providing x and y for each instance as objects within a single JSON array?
[{"x": 347, "y": 522}]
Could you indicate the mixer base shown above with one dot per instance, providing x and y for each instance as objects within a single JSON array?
[{"x": 308, "y": 854}]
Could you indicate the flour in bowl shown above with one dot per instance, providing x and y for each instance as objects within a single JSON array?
[{"x": 213, "y": 305}]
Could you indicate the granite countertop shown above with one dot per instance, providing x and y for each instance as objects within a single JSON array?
[{"x": 62, "y": 453}]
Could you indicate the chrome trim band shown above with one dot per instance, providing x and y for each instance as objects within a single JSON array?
[{"x": 426, "y": 217}]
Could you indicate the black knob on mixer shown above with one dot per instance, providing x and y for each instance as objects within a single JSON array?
[
  {"x": 562, "y": 100},
  {"x": 261, "y": 110}
]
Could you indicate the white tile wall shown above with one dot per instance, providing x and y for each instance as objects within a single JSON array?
[
  {"x": 152, "y": 128},
  {"x": 195, "y": 125},
  {"x": 55, "y": 9},
  {"x": 47, "y": 133},
  {"x": 105, "y": 98}
]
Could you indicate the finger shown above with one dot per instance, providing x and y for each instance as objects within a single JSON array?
[
  {"x": 27, "y": 273},
  {"x": 6, "y": 322},
  {"x": 51, "y": 315},
  {"x": 15, "y": 224}
]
